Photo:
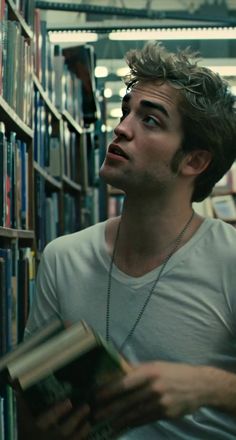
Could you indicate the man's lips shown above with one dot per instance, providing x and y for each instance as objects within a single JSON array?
[{"x": 116, "y": 150}]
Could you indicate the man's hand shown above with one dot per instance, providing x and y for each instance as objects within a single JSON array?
[
  {"x": 151, "y": 391},
  {"x": 60, "y": 422}
]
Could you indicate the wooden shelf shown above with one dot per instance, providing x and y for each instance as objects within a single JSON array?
[
  {"x": 16, "y": 233},
  {"x": 73, "y": 125},
  {"x": 50, "y": 179},
  {"x": 70, "y": 184},
  {"x": 12, "y": 120},
  {"x": 46, "y": 99},
  {"x": 15, "y": 15}
]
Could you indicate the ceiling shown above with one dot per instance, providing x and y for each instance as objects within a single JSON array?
[{"x": 102, "y": 16}]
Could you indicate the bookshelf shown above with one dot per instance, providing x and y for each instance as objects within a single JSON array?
[
  {"x": 17, "y": 234},
  {"x": 50, "y": 145},
  {"x": 49, "y": 161}
]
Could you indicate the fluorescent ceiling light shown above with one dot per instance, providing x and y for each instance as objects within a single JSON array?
[
  {"x": 115, "y": 112},
  {"x": 233, "y": 90},
  {"x": 101, "y": 71},
  {"x": 122, "y": 92},
  {"x": 176, "y": 34},
  {"x": 72, "y": 37},
  {"x": 108, "y": 92},
  {"x": 224, "y": 70},
  {"x": 122, "y": 71}
]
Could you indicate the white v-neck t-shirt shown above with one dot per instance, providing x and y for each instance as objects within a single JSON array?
[{"x": 190, "y": 318}]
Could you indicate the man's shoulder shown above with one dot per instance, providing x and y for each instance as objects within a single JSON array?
[
  {"x": 71, "y": 241},
  {"x": 222, "y": 237},
  {"x": 224, "y": 230}
]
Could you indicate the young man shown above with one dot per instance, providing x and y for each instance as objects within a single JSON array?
[{"x": 160, "y": 280}]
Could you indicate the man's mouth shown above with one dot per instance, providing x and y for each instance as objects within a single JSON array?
[{"x": 114, "y": 149}]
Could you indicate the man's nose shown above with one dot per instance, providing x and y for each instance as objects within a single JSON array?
[{"x": 125, "y": 127}]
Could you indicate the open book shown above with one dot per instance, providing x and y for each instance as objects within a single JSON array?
[{"x": 65, "y": 363}]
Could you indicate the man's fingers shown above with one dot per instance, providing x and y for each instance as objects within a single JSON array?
[
  {"x": 76, "y": 420},
  {"x": 51, "y": 417}
]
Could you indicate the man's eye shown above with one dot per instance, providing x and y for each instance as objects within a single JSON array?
[{"x": 151, "y": 120}]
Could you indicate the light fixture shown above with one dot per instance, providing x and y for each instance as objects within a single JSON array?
[
  {"x": 101, "y": 71},
  {"x": 190, "y": 33},
  {"x": 115, "y": 112},
  {"x": 122, "y": 92},
  {"x": 224, "y": 70},
  {"x": 72, "y": 36},
  {"x": 122, "y": 71},
  {"x": 108, "y": 92},
  {"x": 233, "y": 90}
]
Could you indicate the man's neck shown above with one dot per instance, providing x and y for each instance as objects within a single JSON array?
[{"x": 147, "y": 234}]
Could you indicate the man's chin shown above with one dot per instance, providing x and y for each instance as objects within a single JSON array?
[{"x": 109, "y": 178}]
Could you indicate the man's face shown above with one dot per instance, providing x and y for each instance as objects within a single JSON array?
[{"x": 146, "y": 140}]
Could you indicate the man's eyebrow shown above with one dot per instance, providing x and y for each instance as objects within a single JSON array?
[
  {"x": 148, "y": 104},
  {"x": 155, "y": 105}
]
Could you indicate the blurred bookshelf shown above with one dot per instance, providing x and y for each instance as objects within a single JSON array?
[{"x": 51, "y": 149}]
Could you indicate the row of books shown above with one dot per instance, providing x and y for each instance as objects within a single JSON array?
[
  {"x": 47, "y": 225},
  {"x": 43, "y": 51},
  {"x": 17, "y": 274},
  {"x": 26, "y": 10},
  {"x": 71, "y": 213},
  {"x": 67, "y": 92},
  {"x": 16, "y": 69},
  {"x": 17, "y": 283},
  {"x": 72, "y": 148},
  {"x": 14, "y": 177},
  {"x": 67, "y": 75},
  {"x": 57, "y": 212},
  {"x": 45, "y": 137},
  {"x": 63, "y": 87}
]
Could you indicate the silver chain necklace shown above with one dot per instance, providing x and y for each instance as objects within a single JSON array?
[{"x": 141, "y": 312}]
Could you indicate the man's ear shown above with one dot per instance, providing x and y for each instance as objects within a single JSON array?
[{"x": 196, "y": 162}]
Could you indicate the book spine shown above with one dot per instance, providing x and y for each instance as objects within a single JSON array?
[
  {"x": 3, "y": 307},
  {"x": 24, "y": 186},
  {"x": 3, "y": 172},
  {"x": 6, "y": 255},
  {"x": 23, "y": 294},
  {"x": 8, "y": 184},
  {"x": 2, "y": 425}
]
